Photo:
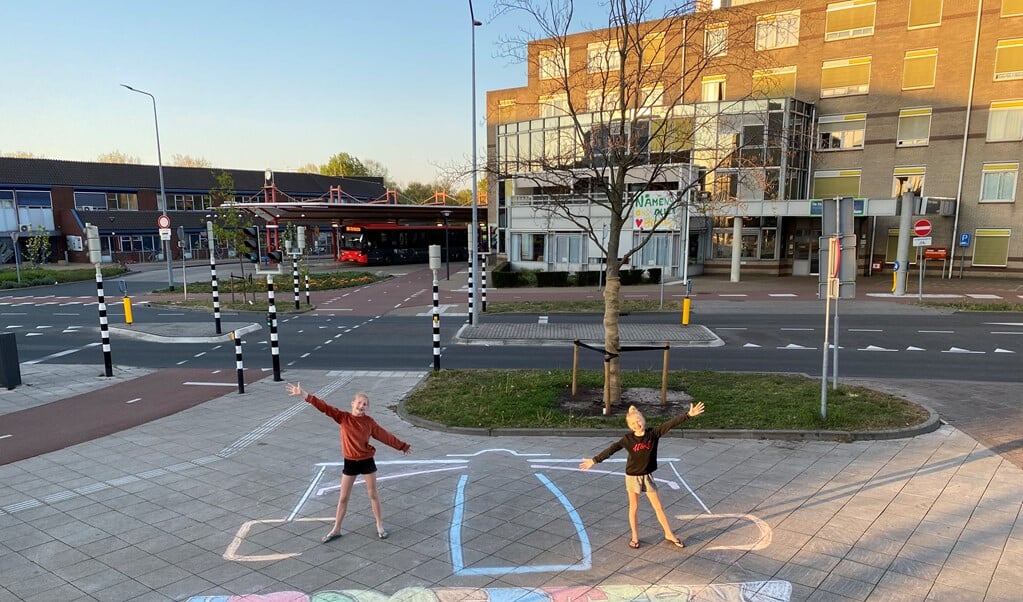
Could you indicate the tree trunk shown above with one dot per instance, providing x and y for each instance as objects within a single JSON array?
[{"x": 612, "y": 342}]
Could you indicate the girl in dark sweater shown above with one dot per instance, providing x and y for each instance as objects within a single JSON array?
[{"x": 641, "y": 445}]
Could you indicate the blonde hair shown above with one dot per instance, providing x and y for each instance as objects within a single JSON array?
[{"x": 632, "y": 414}]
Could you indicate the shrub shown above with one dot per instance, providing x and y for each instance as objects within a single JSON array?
[
  {"x": 631, "y": 276},
  {"x": 653, "y": 275},
  {"x": 590, "y": 278},
  {"x": 551, "y": 278}
]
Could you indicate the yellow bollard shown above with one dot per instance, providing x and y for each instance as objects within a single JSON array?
[
  {"x": 685, "y": 310},
  {"x": 895, "y": 280},
  {"x": 127, "y": 310}
]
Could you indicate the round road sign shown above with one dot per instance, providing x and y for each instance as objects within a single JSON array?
[
  {"x": 164, "y": 222},
  {"x": 922, "y": 227}
]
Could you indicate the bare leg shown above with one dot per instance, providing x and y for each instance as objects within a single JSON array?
[
  {"x": 655, "y": 501},
  {"x": 374, "y": 502},
  {"x": 633, "y": 514},
  {"x": 342, "y": 503}
]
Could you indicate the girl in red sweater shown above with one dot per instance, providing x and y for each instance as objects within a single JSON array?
[{"x": 356, "y": 430}]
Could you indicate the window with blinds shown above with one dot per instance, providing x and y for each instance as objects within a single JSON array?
[
  {"x": 924, "y": 13},
  {"x": 775, "y": 83},
  {"x": 845, "y": 77},
  {"x": 1012, "y": 8},
  {"x": 998, "y": 182},
  {"x": 713, "y": 88},
  {"x": 914, "y": 127},
  {"x": 850, "y": 19},
  {"x": 919, "y": 68},
  {"x": 653, "y": 48},
  {"x": 837, "y": 183},
  {"x": 779, "y": 30},
  {"x": 1009, "y": 59},
  {"x": 1005, "y": 121},
  {"x": 841, "y": 132},
  {"x": 991, "y": 247},
  {"x": 554, "y": 63},
  {"x": 715, "y": 39}
]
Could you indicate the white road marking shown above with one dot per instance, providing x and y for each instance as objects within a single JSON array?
[
  {"x": 1000, "y": 350},
  {"x": 960, "y": 350},
  {"x": 865, "y": 330},
  {"x": 134, "y": 400},
  {"x": 208, "y": 384}
]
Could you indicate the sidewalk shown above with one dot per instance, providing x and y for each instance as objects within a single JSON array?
[{"x": 229, "y": 499}]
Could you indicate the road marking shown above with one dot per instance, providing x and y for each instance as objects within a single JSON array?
[
  {"x": 1003, "y": 323},
  {"x": 936, "y": 331},
  {"x": 796, "y": 329},
  {"x": 875, "y": 348},
  {"x": 1007, "y": 332},
  {"x": 865, "y": 330},
  {"x": 733, "y": 328},
  {"x": 960, "y": 350},
  {"x": 62, "y": 353},
  {"x": 1000, "y": 350},
  {"x": 912, "y": 348},
  {"x": 208, "y": 384},
  {"x": 751, "y": 345},
  {"x": 982, "y": 296},
  {"x": 134, "y": 400},
  {"x": 5, "y": 436},
  {"x": 782, "y": 295},
  {"x": 732, "y": 295},
  {"x": 794, "y": 346}
]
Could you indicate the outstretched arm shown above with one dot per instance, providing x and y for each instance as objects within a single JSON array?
[
  {"x": 696, "y": 409},
  {"x": 319, "y": 404},
  {"x": 295, "y": 389}
]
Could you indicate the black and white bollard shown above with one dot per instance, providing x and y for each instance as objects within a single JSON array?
[
  {"x": 483, "y": 282},
  {"x": 472, "y": 293},
  {"x": 275, "y": 351},
  {"x": 436, "y": 322},
  {"x": 216, "y": 290},
  {"x": 238, "y": 364},
  {"x": 104, "y": 328},
  {"x": 294, "y": 279},
  {"x": 307, "y": 301}
]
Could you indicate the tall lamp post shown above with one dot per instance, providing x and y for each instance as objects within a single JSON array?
[
  {"x": 474, "y": 239},
  {"x": 447, "y": 246},
  {"x": 162, "y": 201}
]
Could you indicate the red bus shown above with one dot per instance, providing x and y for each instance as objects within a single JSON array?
[{"x": 384, "y": 244}]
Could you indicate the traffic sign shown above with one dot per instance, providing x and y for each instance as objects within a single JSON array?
[
  {"x": 163, "y": 222},
  {"x": 922, "y": 227},
  {"x": 921, "y": 241},
  {"x": 964, "y": 239},
  {"x": 165, "y": 234}
]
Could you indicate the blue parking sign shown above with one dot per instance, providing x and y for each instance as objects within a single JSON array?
[{"x": 964, "y": 239}]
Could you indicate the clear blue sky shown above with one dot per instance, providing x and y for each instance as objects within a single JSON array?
[{"x": 254, "y": 84}]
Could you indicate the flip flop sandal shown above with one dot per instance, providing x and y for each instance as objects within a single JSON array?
[
  {"x": 675, "y": 542},
  {"x": 634, "y": 544},
  {"x": 330, "y": 537},
  {"x": 382, "y": 534}
]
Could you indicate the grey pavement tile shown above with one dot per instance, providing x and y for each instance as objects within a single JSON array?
[
  {"x": 870, "y": 557},
  {"x": 63, "y": 593},
  {"x": 858, "y": 571},
  {"x": 960, "y": 579},
  {"x": 913, "y": 568},
  {"x": 821, "y": 595},
  {"x": 943, "y": 591},
  {"x": 885, "y": 594},
  {"x": 803, "y": 575},
  {"x": 130, "y": 590},
  {"x": 161, "y": 577},
  {"x": 27, "y": 585},
  {"x": 186, "y": 588}
]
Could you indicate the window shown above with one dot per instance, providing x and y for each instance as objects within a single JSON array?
[
  {"x": 123, "y": 200},
  {"x": 775, "y": 83},
  {"x": 568, "y": 248},
  {"x": 829, "y": 184},
  {"x": 601, "y": 100},
  {"x": 998, "y": 183},
  {"x": 554, "y": 63},
  {"x": 651, "y": 98},
  {"x": 918, "y": 69},
  {"x": 528, "y": 246},
  {"x": 1005, "y": 121},
  {"x": 924, "y": 13},
  {"x": 1009, "y": 59},
  {"x": 554, "y": 105},
  {"x": 33, "y": 198},
  {"x": 845, "y": 77},
  {"x": 655, "y": 252},
  {"x": 602, "y": 56},
  {"x": 841, "y": 132},
  {"x": 713, "y": 88},
  {"x": 908, "y": 179},
  {"x": 914, "y": 127},
  {"x": 778, "y": 30},
  {"x": 991, "y": 247},
  {"x": 715, "y": 39},
  {"x": 653, "y": 48},
  {"x": 96, "y": 201},
  {"x": 851, "y": 19},
  {"x": 1012, "y": 8},
  {"x": 189, "y": 202}
]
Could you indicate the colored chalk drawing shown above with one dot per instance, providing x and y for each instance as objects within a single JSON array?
[
  {"x": 654, "y": 205},
  {"x": 732, "y": 527},
  {"x": 754, "y": 591}
]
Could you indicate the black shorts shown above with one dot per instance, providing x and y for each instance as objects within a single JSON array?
[{"x": 357, "y": 467}]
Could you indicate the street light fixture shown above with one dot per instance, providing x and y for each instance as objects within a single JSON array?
[
  {"x": 474, "y": 231},
  {"x": 161, "y": 203},
  {"x": 446, "y": 213}
]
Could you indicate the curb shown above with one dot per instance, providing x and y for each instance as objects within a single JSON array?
[
  {"x": 158, "y": 338},
  {"x": 930, "y": 425}
]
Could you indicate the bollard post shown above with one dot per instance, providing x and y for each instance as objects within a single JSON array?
[
  {"x": 275, "y": 351},
  {"x": 294, "y": 279},
  {"x": 238, "y": 364},
  {"x": 483, "y": 282},
  {"x": 126, "y": 301},
  {"x": 664, "y": 375},
  {"x": 436, "y": 322},
  {"x": 104, "y": 327},
  {"x": 575, "y": 366},
  {"x": 686, "y": 303},
  {"x": 307, "y": 301}
]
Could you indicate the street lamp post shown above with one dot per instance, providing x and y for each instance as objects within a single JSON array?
[
  {"x": 162, "y": 201},
  {"x": 447, "y": 246},
  {"x": 473, "y": 239}
]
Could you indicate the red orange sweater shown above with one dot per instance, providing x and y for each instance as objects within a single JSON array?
[{"x": 356, "y": 431}]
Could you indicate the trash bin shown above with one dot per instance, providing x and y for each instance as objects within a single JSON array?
[{"x": 10, "y": 367}]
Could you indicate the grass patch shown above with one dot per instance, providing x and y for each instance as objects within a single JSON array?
[
  {"x": 326, "y": 281},
  {"x": 1002, "y": 306},
  {"x": 45, "y": 277},
  {"x": 535, "y": 398}
]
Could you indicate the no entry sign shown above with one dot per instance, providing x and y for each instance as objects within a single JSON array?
[{"x": 922, "y": 227}]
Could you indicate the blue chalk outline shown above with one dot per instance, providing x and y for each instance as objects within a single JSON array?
[{"x": 455, "y": 536}]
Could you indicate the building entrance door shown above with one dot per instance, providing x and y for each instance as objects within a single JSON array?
[{"x": 806, "y": 256}]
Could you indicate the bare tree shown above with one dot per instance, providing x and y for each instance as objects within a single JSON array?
[
  {"x": 119, "y": 157},
  {"x": 189, "y": 161},
  {"x": 630, "y": 124}
]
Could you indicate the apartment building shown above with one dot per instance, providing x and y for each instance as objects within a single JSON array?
[{"x": 856, "y": 98}]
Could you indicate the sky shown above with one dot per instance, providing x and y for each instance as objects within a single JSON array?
[{"x": 257, "y": 84}]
